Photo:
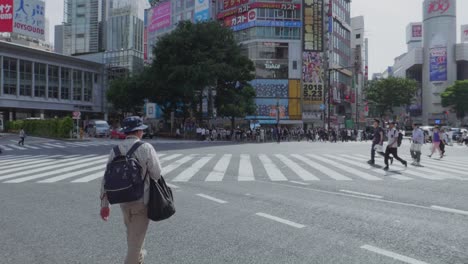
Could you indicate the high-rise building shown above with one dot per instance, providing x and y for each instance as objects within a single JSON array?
[{"x": 81, "y": 27}]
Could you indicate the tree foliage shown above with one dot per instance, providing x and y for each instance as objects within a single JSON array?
[
  {"x": 385, "y": 94},
  {"x": 127, "y": 94},
  {"x": 456, "y": 97},
  {"x": 232, "y": 102}
]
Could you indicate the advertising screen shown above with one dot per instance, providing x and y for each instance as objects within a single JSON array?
[
  {"x": 159, "y": 17},
  {"x": 313, "y": 25},
  {"x": 266, "y": 108},
  {"x": 6, "y": 15},
  {"x": 202, "y": 10},
  {"x": 438, "y": 64},
  {"x": 246, "y": 8},
  {"x": 270, "y": 88},
  {"x": 312, "y": 77},
  {"x": 29, "y": 18},
  {"x": 416, "y": 31}
]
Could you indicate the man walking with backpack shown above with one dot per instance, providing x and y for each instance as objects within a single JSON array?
[
  {"x": 418, "y": 141},
  {"x": 393, "y": 143},
  {"x": 126, "y": 182}
]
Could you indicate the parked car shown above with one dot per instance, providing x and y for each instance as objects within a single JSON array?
[
  {"x": 457, "y": 133},
  {"x": 117, "y": 134},
  {"x": 98, "y": 128}
]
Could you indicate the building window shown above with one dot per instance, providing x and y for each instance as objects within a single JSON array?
[
  {"x": 39, "y": 79},
  {"x": 9, "y": 75},
  {"x": 77, "y": 85},
  {"x": 88, "y": 86},
  {"x": 53, "y": 81},
  {"x": 25, "y": 78},
  {"x": 358, "y": 36},
  {"x": 294, "y": 65},
  {"x": 65, "y": 85}
]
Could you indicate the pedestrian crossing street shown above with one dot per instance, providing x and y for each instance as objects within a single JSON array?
[
  {"x": 54, "y": 145},
  {"x": 230, "y": 167}
]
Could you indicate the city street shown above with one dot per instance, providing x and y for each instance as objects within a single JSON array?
[{"x": 294, "y": 202}]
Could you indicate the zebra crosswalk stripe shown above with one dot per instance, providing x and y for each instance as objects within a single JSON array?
[
  {"x": 167, "y": 169},
  {"x": 25, "y": 164},
  {"x": 43, "y": 168},
  {"x": 4, "y": 147},
  {"x": 348, "y": 169},
  {"x": 63, "y": 168},
  {"x": 16, "y": 161},
  {"x": 30, "y": 147},
  {"x": 100, "y": 168},
  {"x": 245, "y": 169},
  {"x": 272, "y": 171},
  {"x": 328, "y": 172},
  {"x": 301, "y": 172},
  {"x": 15, "y": 147},
  {"x": 188, "y": 173},
  {"x": 45, "y": 146},
  {"x": 432, "y": 167},
  {"x": 170, "y": 157},
  {"x": 220, "y": 168},
  {"x": 91, "y": 177},
  {"x": 384, "y": 173},
  {"x": 54, "y": 145}
]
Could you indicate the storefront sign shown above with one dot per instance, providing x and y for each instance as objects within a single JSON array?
[
  {"x": 313, "y": 25},
  {"x": 435, "y": 8},
  {"x": 6, "y": 15},
  {"x": 245, "y": 8},
  {"x": 440, "y": 6},
  {"x": 267, "y": 23},
  {"x": 233, "y": 3},
  {"x": 269, "y": 65},
  {"x": 29, "y": 19},
  {"x": 438, "y": 64},
  {"x": 241, "y": 19}
]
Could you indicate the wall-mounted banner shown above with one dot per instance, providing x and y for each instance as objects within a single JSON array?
[
  {"x": 312, "y": 77},
  {"x": 438, "y": 64},
  {"x": 227, "y": 4},
  {"x": 202, "y": 10},
  {"x": 267, "y": 23},
  {"x": 159, "y": 17},
  {"x": 313, "y": 25},
  {"x": 29, "y": 19},
  {"x": 241, "y": 18},
  {"x": 246, "y": 8},
  {"x": 6, "y": 15}
]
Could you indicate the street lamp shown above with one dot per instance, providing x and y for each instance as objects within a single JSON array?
[{"x": 329, "y": 89}]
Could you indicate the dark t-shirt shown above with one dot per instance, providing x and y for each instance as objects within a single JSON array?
[{"x": 377, "y": 138}]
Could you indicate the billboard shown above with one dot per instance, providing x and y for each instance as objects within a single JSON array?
[
  {"x": 313, "y": 25},
  {"x": 267, "y": 23},
  {"x": 202, "y": 10},
  {"x": 28, "y": 18},
  {"x": 6, "y": 15},
  {"x": 313, "y": 77},
  {"x": 435, "y": 8},
  {"x": 464, "y": 33},
  {"x": 239, "y": 19},
  {"x": 438, "y": 64},
  {"x": 247, "y": 7},
  {"x": 159, "y": 17},
  {"x": 227, "y": 4},
  {"x": 416, "y": 31}
]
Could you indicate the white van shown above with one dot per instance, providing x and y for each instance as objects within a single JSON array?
[{"x": 98, "y": 128}]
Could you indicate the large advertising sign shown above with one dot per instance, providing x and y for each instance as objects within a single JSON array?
[
  {"x": 312, "y": 77},
  {"x": 435, "y": 8},
  {"x": 241, "y": 18},
  {"x": 202, "y": 10},
  {"x": 270, "y": 93},
  {"x": 438, "y": 64},
  {"x": 416, "y": 31},
  {"x": 6, "y": 15},
  {"x": 159, "y": 17},
  {"x": 227, "y": 4},
  {"x": 267, "y": 23},
  {"x": 464, "y": 33},
  {"x": 29, "y": 18},
  {"x": 246, "y": 8},
  {"x": 313, "y": 25}
]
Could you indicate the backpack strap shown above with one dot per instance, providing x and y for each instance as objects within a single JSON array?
[
  {"x": 117, "y": 151},
  {"x": 134, "y": 148}
]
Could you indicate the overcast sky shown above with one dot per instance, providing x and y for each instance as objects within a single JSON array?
[{"x": 385, "y": 22}]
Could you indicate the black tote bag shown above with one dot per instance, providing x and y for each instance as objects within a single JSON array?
[{"x": 161, "y": 201}]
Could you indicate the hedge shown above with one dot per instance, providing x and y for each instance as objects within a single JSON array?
[{"x": 56, "y": 128}]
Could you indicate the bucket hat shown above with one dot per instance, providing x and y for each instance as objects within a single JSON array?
[{"x": 133, "y": 123}]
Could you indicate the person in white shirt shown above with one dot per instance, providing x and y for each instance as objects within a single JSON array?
[
  {"x": 392, "y": 146},
  {"x": 418, "y": 141}
]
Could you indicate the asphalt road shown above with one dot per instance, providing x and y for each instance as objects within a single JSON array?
[{"x": 293, "y": 202}]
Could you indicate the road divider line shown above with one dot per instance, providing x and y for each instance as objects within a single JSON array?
[
  {"x": 450, "y": 210},
  {"x": 211, "y": 198},
  {"x": 392, "y": 255},
  {"x": 280, "y": 220},
  {"x": 301, "y": 183},
  {"x": 363, "y": 194}
]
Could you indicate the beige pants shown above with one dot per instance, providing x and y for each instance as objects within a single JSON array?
[{"x": 136, "y": 220}]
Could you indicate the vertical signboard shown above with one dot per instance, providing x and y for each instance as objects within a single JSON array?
[
  {"x": 416, "y": 31},
  {"x": 28, "y": 18},
  {"x": 202, "y": 10},
  {"x": 312, "y": 77},
  {"x": 6, "y": 15},
  {"x": 438, "y": 64},
  {"x": 159, "y": 17},
  {"x": 464, "y": 33},
  {"x": 313, "y": 25}
]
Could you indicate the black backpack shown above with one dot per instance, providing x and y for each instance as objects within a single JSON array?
[
  {"x": 400, "y": 138},
  {"x": 123, "y": 179}
]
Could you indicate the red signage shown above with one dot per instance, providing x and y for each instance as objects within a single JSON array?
[
  {"x": 466, "y": 32},
  {"x": 440, "y": 6},
  {"x": 417, "y": 31},
  {"x": 233, "y": 3},
  {"x": 240, "y": 19},
  {"x": 6, "y": 15},
  {"x": 246, "y": 8}
]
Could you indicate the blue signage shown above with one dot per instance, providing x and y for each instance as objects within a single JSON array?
[{"x": 438, "y": 64}]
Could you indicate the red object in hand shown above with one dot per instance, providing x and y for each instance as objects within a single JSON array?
[{"x": 105, "y": 212}]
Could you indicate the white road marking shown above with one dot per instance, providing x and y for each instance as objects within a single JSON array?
[
  {"x": 188, "y": 173},
  {"x": 30, "y": 147},
  {"x": 328, "y": 172},
  {"x": 301, "y": 183},
  {"x": 220, "y": 169},
  {"x": 99, "y": 168},
  {"x": 176, "y": 164},
  {"x": 211, "y": 198},
  {"x": 91, "y": 177},
  {"x": 45, "y": 146},
  {"x": 20, "y": 160},
  {"x": 348, "y": 169},
  {"x": 59, "y": 163},
  {"x": 54, "y": 145},
  {"x": 272, "y": 171},
  {"x": 25, "y": 164},
  {"x": 379, "y": 171},
  {"x": 76, "y": 166},
  {"x": 245, "y": 169},
  {"x": 392, "y": 255},
  {"x": 302, "y": 173},
  {"x": 170, "y": 157},
  {"x": 363, "y": 194},
  {"x": 4, "y": 147},
  {"x": 450, "y": 210},
  {"x": 280, "y": 220},
  {"x": 16, "y": 147},
  {"x": 4, "y": 157}
]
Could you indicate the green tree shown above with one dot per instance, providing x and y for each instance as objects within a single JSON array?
[
  {"x": 385, "y": 94},
  {"x": 192, "y": 58},
  {"x": 456, "y": 97},
  {"x": 234, "y": 102},
  {"x": 127, "y": 94}
]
